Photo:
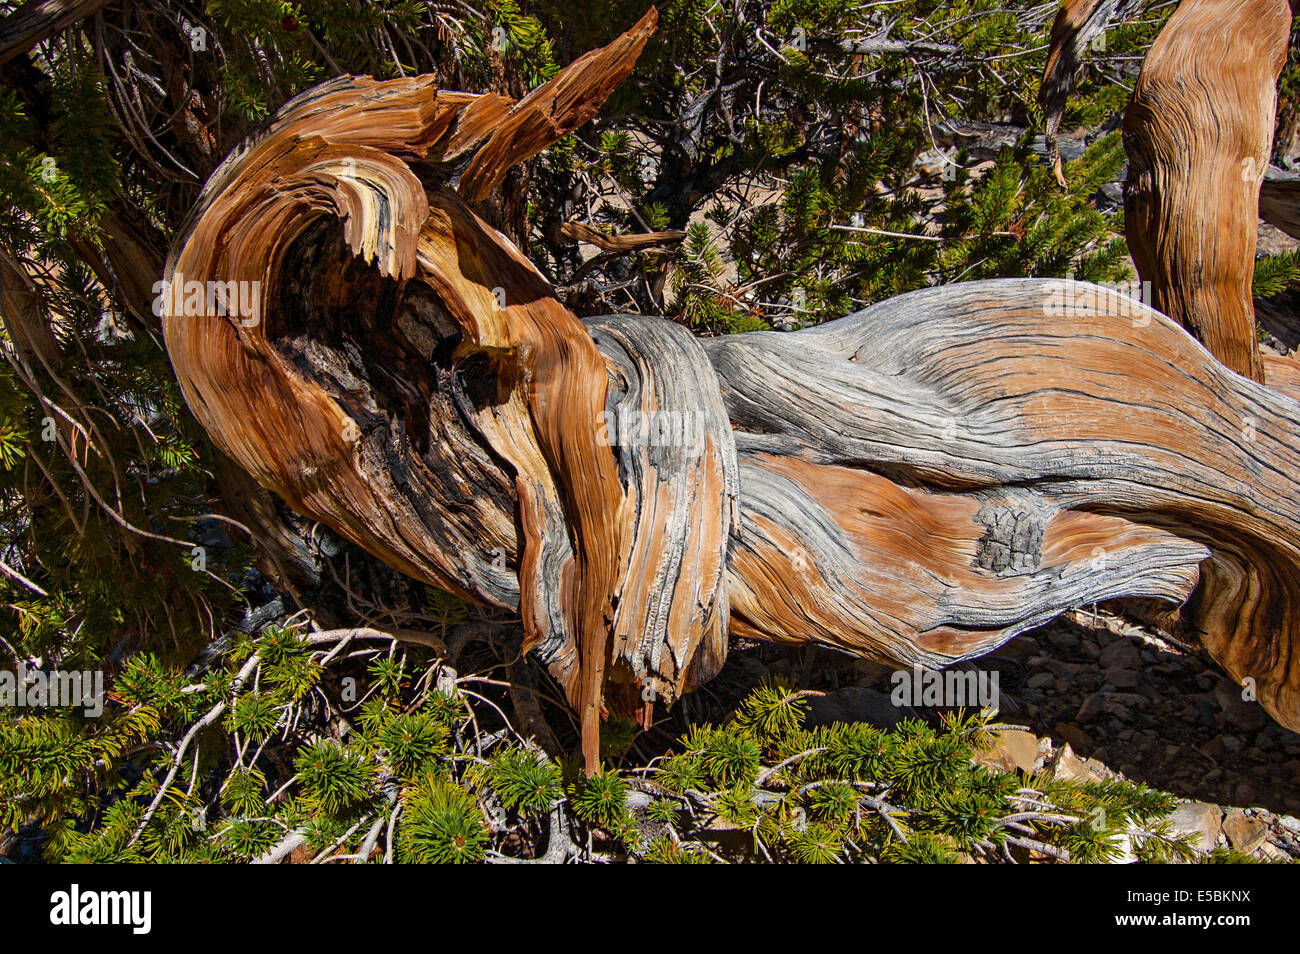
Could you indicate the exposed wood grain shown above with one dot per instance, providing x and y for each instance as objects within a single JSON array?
[
  {"x": 1198, "y": 133},
  {"x": 917, "y": 482},
  {"x": 1032, "y": 422}
]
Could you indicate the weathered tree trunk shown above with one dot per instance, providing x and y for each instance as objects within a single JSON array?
[
  {"x": 916, "y": 483},
  {"x": 1076, "y": 25},
  {"x": 1199, "y": 134}
]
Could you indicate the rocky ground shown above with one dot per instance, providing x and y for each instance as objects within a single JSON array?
[
  {"x": 1098, "y": 697},
  {"x": 1129, "y": 703}
]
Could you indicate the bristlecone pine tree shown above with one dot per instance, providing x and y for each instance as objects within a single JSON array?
[{"x": 307, "y": 549}]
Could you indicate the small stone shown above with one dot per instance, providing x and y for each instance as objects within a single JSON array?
[
  {"x": 1097, "y": 768},
  {"x": 1271, "y": 852},
  {"x": 1122, "y": 678},
  {"x": 1199, "y": 819},
  {"x": 1121, "y": 654},
  {"x": 1116, "y": 704},
  {"x": 1020, "y": 648},
  {"x": 1080, "y": 740},
  {"x": 1040, "y": 679},
  {"x": 1069, "y": 767},
  {"x": 1238, "y": 712},
  {"x": 1245, "y": 833},
  {"x": 1014, "y": 749},
  {"x": 1063, "y": 641},
  {"x": 1245, "y": 793}
]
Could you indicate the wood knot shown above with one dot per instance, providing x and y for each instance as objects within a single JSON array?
[{"x": 1012, "y": 541}]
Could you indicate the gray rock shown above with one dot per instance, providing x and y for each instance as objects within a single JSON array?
[
  {"x": 1069, "y": 767},
  {"x": 1199, "y": 819},
  {"x": 1246, "y": 715},
  {"x": 1122, "y": 678},
  {"x": 1245, "y": 833},
  {"x": 1066, "y": 642},
  {"x": 1077, "y": 738},
  {"x": 1120, "y": 653},
  {"x": 1014, "y": 749},
  {"x": 1118, "y": 704}
]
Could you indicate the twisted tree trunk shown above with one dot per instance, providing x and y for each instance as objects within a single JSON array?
[
  {"x": 916, "y": 483},
  {"x": 1199, "y": 134}
]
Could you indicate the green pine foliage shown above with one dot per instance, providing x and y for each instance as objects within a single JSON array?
[
  {"x": 832, "y": 192},
  {"x": 1274, "y": 274},
  {"x": 402, "y": 773},
  {"x": 851, "y": 793}
]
